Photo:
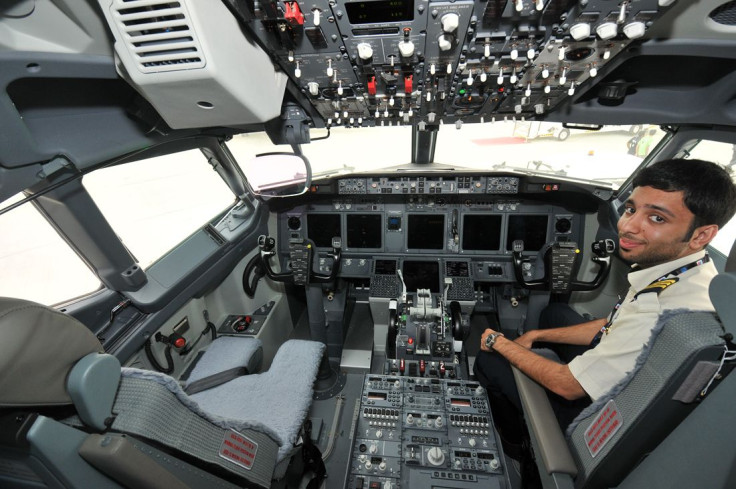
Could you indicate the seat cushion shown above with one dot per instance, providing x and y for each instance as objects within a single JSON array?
[
  {"x": 279, "y": 398},
  {"x": 226, "y": 353}
]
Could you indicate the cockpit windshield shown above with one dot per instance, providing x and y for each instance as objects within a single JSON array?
[{"x": 608, "y": 155}]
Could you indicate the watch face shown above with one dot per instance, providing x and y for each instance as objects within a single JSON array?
[{"x": 489, "y": 341}]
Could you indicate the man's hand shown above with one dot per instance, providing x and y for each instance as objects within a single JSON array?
[{"x": 527, "y": 339}]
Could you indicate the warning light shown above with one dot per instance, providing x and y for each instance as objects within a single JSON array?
[
  {"x": 180, "y": 342},
  {"x": 411, "y": 341},
  {"x": 461, "y": 91}
]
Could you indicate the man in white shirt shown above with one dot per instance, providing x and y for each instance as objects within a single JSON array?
[{"x": 674, "y": 211}]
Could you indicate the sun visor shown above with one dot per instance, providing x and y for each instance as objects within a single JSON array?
[
  {"x": 192, "y": 62},
  {"x": 38, "y": 348}
]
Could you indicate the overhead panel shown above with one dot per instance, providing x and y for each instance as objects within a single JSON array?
[{"x": 389, "y": 62}]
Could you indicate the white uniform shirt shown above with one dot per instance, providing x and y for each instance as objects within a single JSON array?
[{"x": 602, "y": 367}]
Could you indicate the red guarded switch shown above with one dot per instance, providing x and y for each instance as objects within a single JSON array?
[
  {"x": 372, "y": 85},
  {"x": 293, "y": 13},
  {"x": 408, "y": 84}
]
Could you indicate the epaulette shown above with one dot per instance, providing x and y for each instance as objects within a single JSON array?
[{"x": 657, "y": 286}]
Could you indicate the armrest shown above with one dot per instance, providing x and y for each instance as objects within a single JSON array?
[{"x": 543, "y": 424}]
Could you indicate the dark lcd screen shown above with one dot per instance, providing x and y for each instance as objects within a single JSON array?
[
  {"x": 457, "y": 269},
  {"x": 380, "y": 11},
  {"x": 422, "y": 275},
  {"x": 321, "y": 228},
  {"x": 364, "y": 230},
  {"x": 426, "y": 232},
  {"x": 385, "y": 267},
  {"x": 531, "y": 229},
  {"x": 481, "y": 232}
]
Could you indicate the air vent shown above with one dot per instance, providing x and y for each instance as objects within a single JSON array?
[
  {"x": 725, "y": 14},
  {"x": 158, "y": 35}
]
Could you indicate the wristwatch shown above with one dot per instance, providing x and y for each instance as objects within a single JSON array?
[{"x": 491, "y": 340}]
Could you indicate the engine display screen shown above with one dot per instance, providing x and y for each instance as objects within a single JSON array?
[
  {"x": 378, "y": 12},
  {"x": 364, "y": 230},
  {"x": 457, "y": 269},
  {"x": 385, "y": 267},
  {"x": 529, "y": 228},
  {"x": 422, "y": 275},
  {"x": 321, "y": 228},
  {"x": 426, "y": 232},
  {"x": 481, "y": 232}
]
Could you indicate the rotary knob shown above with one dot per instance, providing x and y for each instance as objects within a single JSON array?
[
  {"x": 445, "y": 42},
  {"x": 450, "y": 22},
  {"x": 406, "y": 48},
  {"x": 607, "y": 30},
  {"x": 580, "y": 31},
  {"x": 365, "y": 51},
  {"x": 435, "y": 456}
]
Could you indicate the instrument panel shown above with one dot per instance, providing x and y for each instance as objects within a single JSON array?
[
  {"x": 421, "y": 432},
  {"x": 429, "y": 238}
]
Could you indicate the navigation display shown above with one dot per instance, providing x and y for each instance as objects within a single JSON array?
[
  {"x": 364, "y": 230},
  {"x": 321, "y": 228},
  {"x": 421, "y": 275},
  {"x": 529, "y": 228},
  {"x": 426, "y": 232},
  {"x": 481, "y": 232}
]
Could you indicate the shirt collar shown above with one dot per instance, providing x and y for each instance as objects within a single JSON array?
[{"x": 642, "y": 278}]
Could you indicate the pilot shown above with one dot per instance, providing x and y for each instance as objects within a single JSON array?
[{"x": 674, "y": 211}]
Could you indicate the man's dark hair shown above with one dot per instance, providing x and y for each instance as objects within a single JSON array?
[{"x": 708, "y": 189}]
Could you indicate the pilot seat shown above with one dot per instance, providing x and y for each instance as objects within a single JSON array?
[
  {"x": 645, "y": 430},
  {"x": 70, "y": 416}
]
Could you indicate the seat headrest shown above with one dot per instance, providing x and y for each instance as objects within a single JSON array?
[
  {"x": 38, "y": 348},
  {"x": 731, "y": 261}
]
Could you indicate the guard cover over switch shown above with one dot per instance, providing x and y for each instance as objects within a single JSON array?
[
  {"x": 372, "y": 85},
  {"x": 294, "y": 14}
]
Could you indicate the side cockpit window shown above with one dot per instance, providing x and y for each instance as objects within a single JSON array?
[
  {"x": 156, "y": 203},
  {"x": 725, "y": 155},
  {"x": 35, "y": 262}
]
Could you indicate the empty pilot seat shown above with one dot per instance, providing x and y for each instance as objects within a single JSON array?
[
  {"x": 226, "y": 358},
  {"x": 245, "y": 428},
  {"x": 278, "y": 398}
]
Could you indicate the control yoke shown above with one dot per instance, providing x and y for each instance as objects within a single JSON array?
[
  {"x": 560, "y": 263},
  {"x": 300, "y": 253}
]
